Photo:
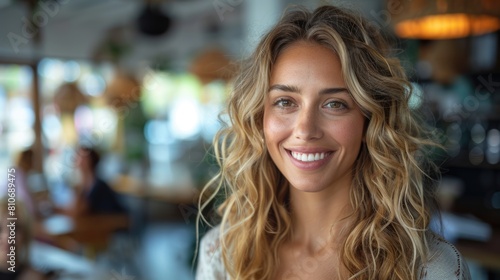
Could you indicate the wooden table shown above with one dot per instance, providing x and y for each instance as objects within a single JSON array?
[
  {"x": 147, "y": 196},
  {"x": 486, "y": 254},
  {"x": 92, "y": 231},
  {"x": 71, "y": 266},
  {"x": 128, "y": 185}
]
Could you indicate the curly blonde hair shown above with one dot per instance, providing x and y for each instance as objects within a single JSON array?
[{"x": 391, "y": 191}]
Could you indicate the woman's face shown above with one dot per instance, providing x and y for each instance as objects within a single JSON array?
[{"x": 313, "y": 128}]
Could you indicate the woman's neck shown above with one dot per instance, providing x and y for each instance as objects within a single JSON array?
[{"x": 320, "y": 217}]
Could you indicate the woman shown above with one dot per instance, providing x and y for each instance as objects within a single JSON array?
[{"x": 324, "y": 165}]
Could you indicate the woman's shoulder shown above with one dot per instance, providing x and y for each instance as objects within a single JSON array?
[
  {"x": 445, "y": 261},
  {"x": 210, "y": 264},
  {"x": 210, "y": 243}
]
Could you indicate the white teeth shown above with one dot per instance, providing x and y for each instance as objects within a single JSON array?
[{"x": 309, "y": 157}]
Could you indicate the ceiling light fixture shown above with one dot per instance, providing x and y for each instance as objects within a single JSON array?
[{"x": 446, "y": 19}]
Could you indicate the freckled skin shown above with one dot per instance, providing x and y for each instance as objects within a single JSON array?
[{"x": 308, "y": 119}]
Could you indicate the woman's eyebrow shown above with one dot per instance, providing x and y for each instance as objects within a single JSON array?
[
  {"x": 294, "y": 89},
  {"x": 333, "y": 90},
  {"x": 285, "y": 88}
]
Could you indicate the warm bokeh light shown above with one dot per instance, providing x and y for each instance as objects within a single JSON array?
[{"x": 447, "y": 26}]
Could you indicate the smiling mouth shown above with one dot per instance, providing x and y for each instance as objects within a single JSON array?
[{"x": 309, "y": 157}]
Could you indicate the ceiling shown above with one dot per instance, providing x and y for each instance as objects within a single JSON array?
[{"x": 89, "y": 29}]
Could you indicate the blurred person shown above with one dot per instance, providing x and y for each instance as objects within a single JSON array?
[
  {"x": 22, "y": 169},
  {"x": 15, "y": 239},
  {"x": 325, "y": 170},
  {"x": 93, "y": 195},
  {"x": 31, "y": 186}
]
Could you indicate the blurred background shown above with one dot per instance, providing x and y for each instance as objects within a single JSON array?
[{"x": 143, "y": 82}]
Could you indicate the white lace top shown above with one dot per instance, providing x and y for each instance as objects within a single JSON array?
[
  {"x": 445, "y": 263},
  {"x": 210, "y": 264}
]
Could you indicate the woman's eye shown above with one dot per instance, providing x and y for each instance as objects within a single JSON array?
[
  {"x": 282, "y": 102},
  {"x": 336, "y": 105}
]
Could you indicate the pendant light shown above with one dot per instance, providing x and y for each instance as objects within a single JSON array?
[{"x": 446, "y": 19}]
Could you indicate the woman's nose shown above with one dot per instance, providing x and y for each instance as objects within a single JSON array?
[{"x": 307, "y": 126}]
